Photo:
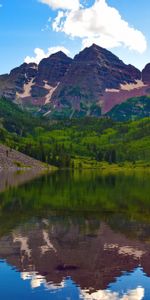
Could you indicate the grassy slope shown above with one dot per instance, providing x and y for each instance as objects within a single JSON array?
[{"x": 16, "y": 120}]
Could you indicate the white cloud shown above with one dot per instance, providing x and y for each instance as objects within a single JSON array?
[
  {"x": 59, "y": 20},
  {"x": 99, "y": 23},
  {"x": 40, "y": 54},
  {"x": 136, "y": 294},
  {"x": 62, "y": 4}
]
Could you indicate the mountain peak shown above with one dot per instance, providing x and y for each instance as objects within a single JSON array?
[
  {"x": 95, "y": 52},
  {"x": 60, "y": 55},
  {"x": 95, "y": 46},
  {"x": 98, "y": 48},
  {"x": 52, "y": 69}
]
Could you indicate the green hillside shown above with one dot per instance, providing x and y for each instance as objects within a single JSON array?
[
  {"x": 132, "y": 109},
  {"x": 70, "y": 143},
  {"x": 15, "y": 119}
]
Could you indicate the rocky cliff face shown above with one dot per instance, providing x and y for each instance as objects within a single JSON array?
[
  {"x": 146, "y": 74},
  {"x": 13, "y": 84},
  {"x": 53, "y": 68},
  {"x": 90, "y": 84}
]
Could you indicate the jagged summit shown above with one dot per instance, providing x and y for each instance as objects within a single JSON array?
[
  {"x": 59, "y": 55},
  {"x": 96, "y": 51}
]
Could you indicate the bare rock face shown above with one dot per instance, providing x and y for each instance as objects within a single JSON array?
[
  {"x": 90, "y": 84},
  {"x": 13, "y": 83},
  {"x": 146, "y": 74},
  {"x": 53, "y": 68}
]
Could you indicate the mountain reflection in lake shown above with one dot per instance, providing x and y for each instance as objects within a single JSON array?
[{"x": 76, "y": 236}]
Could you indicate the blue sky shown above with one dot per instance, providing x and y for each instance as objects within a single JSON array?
[{"x": 123, "y": 26}]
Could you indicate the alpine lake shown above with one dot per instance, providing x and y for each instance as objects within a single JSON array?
[{"x": 72, "y": 235}]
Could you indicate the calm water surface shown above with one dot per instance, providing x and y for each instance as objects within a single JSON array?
[{"x": 71, "y": 236}]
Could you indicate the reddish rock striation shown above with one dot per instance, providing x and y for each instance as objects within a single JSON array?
[{"x": 112, "y": 98}]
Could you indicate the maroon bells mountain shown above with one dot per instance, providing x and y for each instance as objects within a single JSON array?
[{"x": 90, "y": 84}]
